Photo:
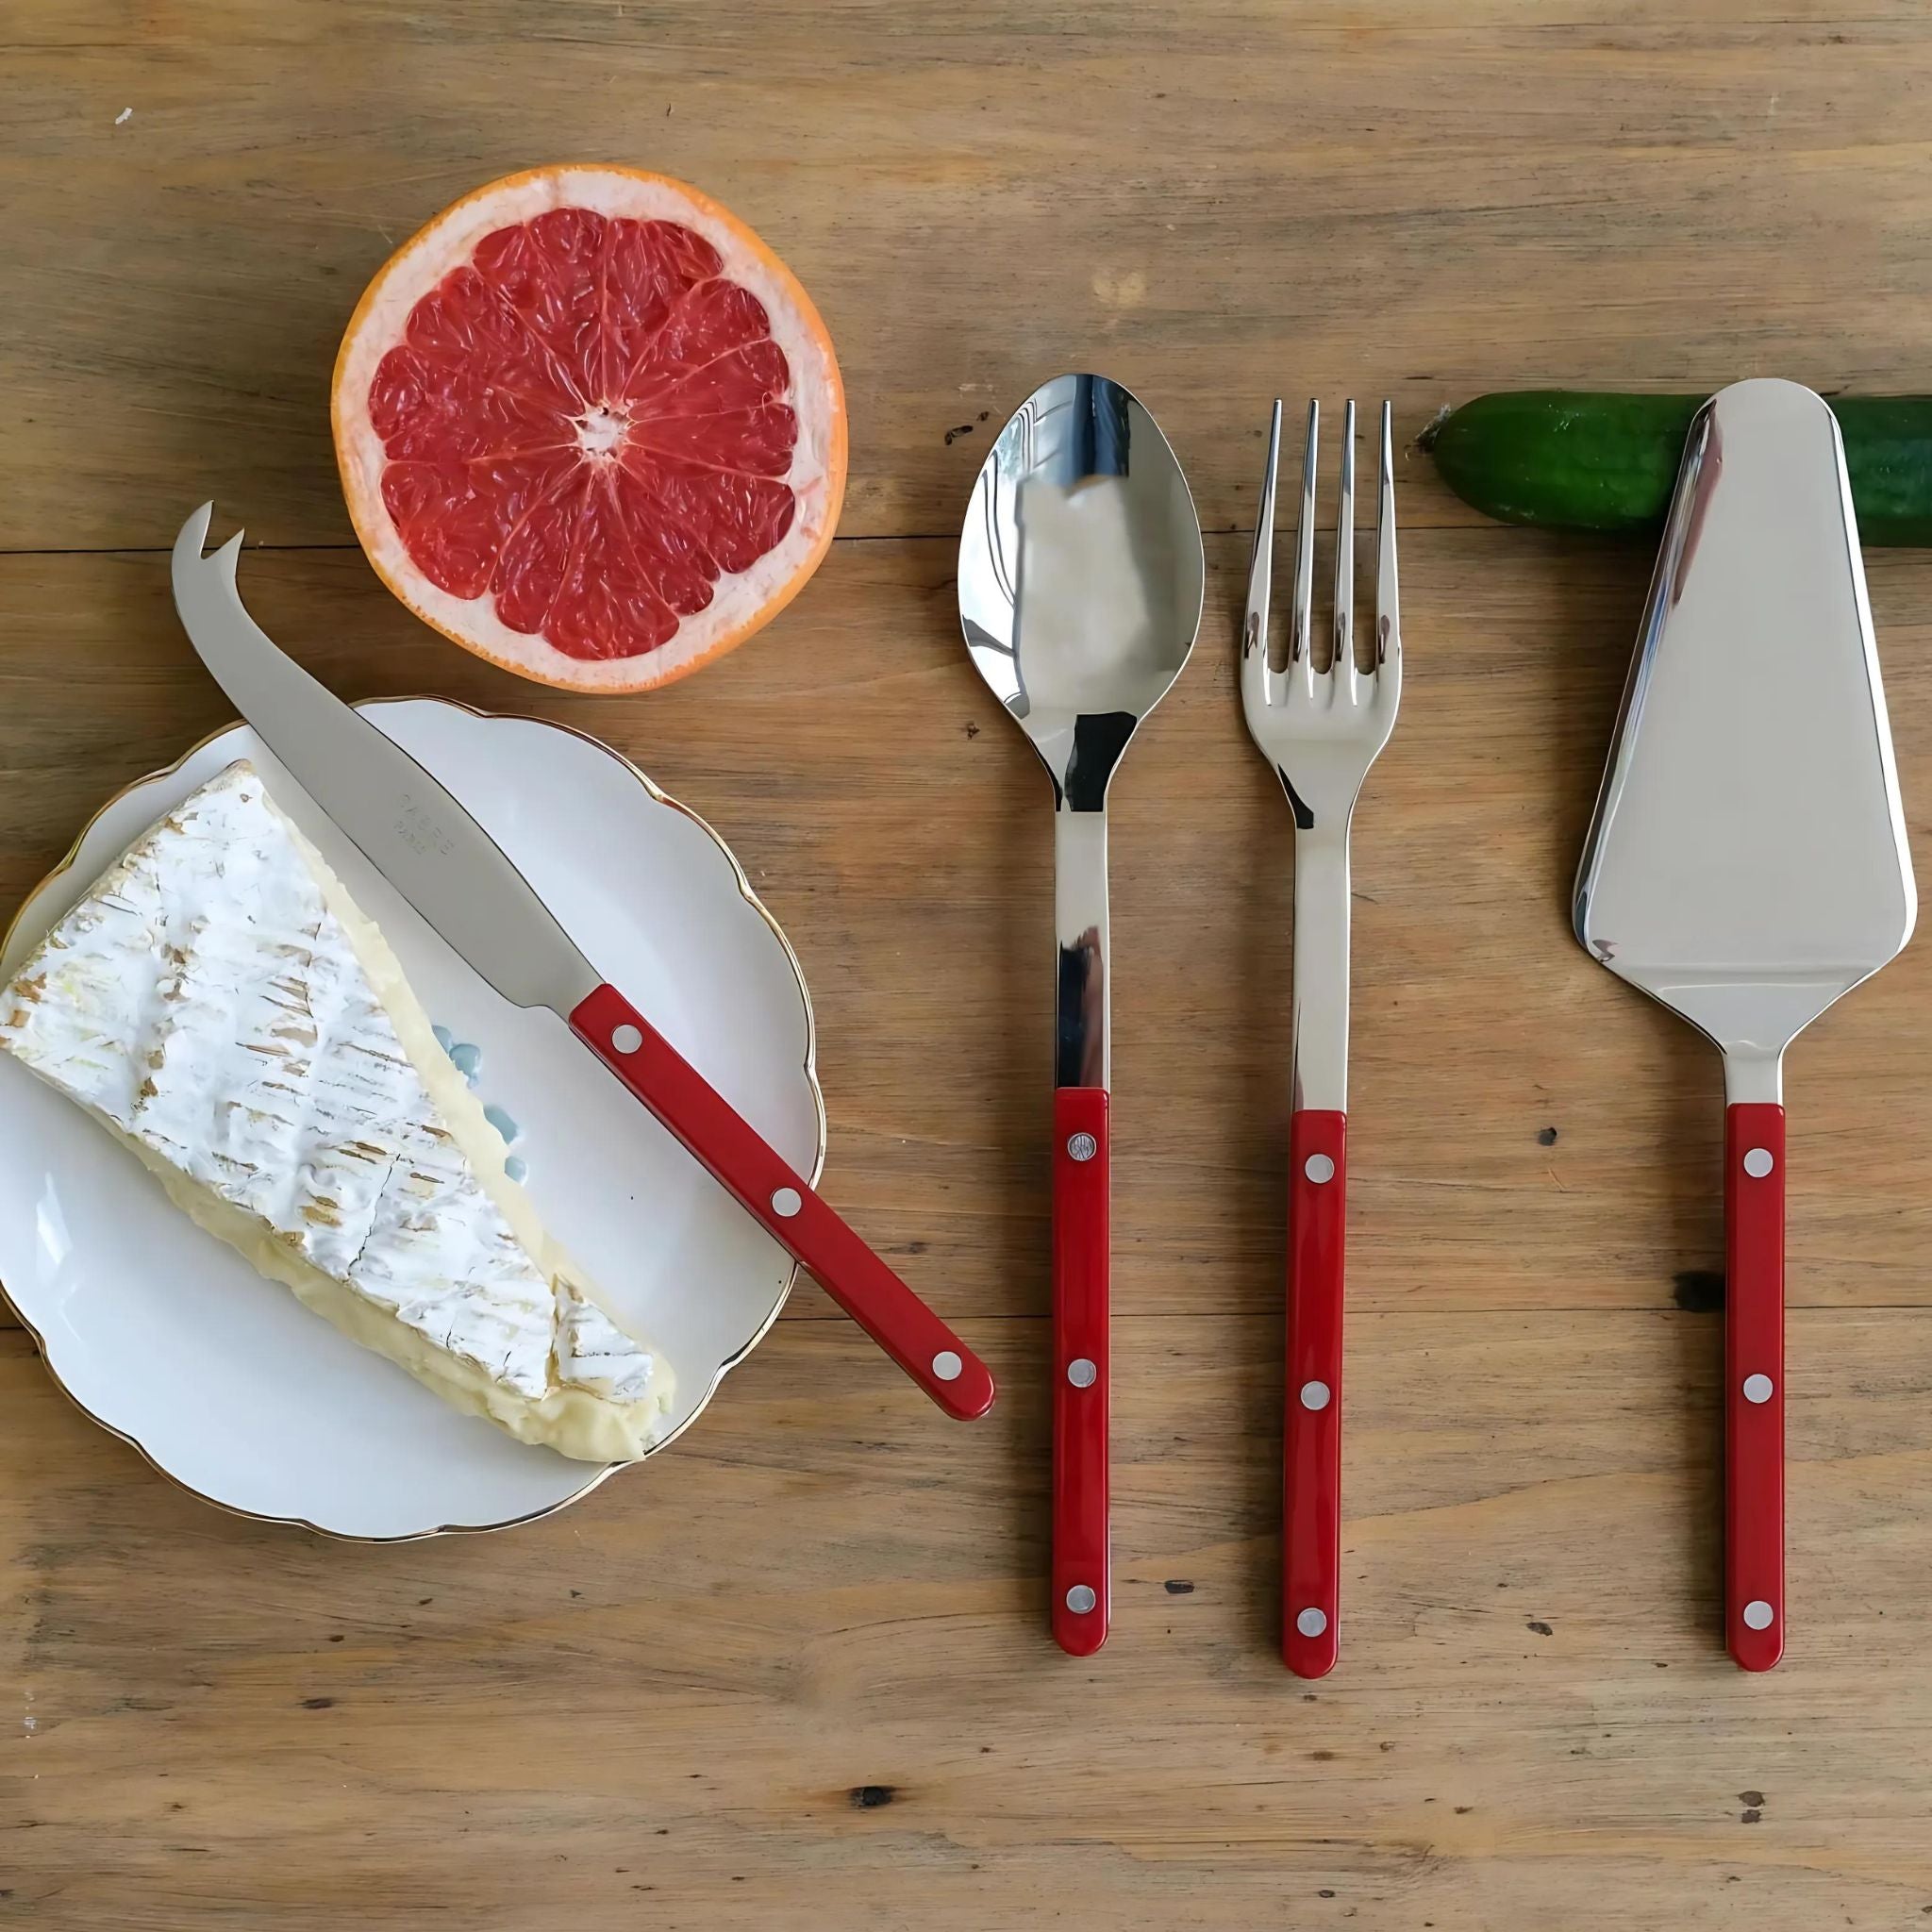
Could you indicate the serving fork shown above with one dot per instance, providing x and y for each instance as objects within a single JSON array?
[{"x": 1321, "y": 727}]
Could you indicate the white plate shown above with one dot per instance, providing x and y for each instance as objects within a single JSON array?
[{"x": 222, "y": 1379}]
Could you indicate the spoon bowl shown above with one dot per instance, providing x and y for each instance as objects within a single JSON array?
[{"x": 1080, "y": 575}]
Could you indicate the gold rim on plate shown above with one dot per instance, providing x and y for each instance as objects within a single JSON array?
[{"x": 660, "y": 796}]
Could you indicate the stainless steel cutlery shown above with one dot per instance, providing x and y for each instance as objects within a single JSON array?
[
  {"x": 1747, "y": 864},
  {"x": 1321, "y": 719},
  {"x": 1080, "y": 585}
]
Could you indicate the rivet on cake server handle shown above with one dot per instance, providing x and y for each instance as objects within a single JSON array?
[{"x": 423, "y": 841}]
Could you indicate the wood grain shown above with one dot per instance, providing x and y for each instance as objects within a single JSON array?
[
  {"x": 804, "y": 1659},
  {"x": 1214, "y": 203},
  {"x": 795, "y": 1674}
]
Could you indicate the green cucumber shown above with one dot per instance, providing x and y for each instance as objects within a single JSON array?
[{"x": 1571, "y": 460}]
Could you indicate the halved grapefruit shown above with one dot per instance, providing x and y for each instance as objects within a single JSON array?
[{"x": 590, "y": 427}]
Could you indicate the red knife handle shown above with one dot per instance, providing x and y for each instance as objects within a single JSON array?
[
  {"x": 1082, "y": 1580},
  {"x": 1755, "y": 1383},
  {"x": 1311, "y": 1480},
  {"x": 783, "y": 1203}
]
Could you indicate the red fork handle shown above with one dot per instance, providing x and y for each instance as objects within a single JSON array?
[
  {"x": 1081, "y": 1576},
  {"x": 1755, "y": 1383},
  {"x": 766, "y": 1187},
  {"x": 1311, "y": 1484}
]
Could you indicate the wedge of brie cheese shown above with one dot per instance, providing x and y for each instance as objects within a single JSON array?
[{"x": 220, "y": 1005}]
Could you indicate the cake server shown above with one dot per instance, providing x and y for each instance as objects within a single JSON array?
[
  {"x": 422, "y": 841},
  {"x": 1747, "y": 863},
  {"x": 1080, "y": 584}
]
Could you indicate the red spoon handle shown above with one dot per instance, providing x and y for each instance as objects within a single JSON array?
[
  {"x": 1082, "y": 1599},
  {"x": 1311, "y": 1487},
  {"x": 783, "y": 1203},
  {"x": 1755, "y": 1383}
]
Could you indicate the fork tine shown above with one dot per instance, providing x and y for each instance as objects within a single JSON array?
[
  {"x": 1321, "y": 731},
  {"x": 1261, "y": 570},
  {"x": 1387, "y": 619},
  {"x": 1345, "y": 551},
  {"x": 1301, "y": 620}
]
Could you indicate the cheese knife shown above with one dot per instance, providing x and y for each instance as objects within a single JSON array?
[
  {"x": 422, "y": 841},
  {"x": 1747, "y": 864}
]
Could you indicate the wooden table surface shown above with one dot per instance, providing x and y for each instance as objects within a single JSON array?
[{"x": 795, "y": 1674}]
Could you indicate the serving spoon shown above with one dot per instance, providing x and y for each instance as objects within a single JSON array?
[{"x": 1080, "y": 585}]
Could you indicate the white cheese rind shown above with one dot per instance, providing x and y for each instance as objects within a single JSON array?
[{"x": 219, "y": 1002}]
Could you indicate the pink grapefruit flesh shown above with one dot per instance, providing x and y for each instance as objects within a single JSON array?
[{"x": 590, "y": 427}]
